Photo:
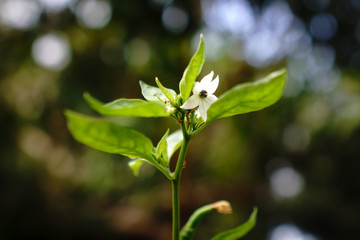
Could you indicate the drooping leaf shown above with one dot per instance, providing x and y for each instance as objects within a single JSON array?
[
  {"x": 249, "y": 97},
  {"x": 239, "y": 231},
  {"x": 152, "y": 93},
  {"x": 127, "y": 107},
  {"x": 108, "y": 136},
  {"x": 174, "y": 141},
  {"x": 161, "y": 150},
  {"x": 136, "y": 164},
  {"x": 169, "y": 93},
  {"x": 192, "y": 71}
]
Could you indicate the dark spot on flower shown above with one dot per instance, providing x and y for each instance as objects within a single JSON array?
[{"x": 203, "y": 94}]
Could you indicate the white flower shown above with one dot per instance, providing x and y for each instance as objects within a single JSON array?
[{"x": 203, "y": 95}]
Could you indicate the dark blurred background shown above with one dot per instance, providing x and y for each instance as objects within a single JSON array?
[{"x": 298, "y": 160}]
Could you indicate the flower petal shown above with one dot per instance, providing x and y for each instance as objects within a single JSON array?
[
  {"x": 197, "y": 88},
  {"x": 211, "y": 99},
  {"x": 191, "y": 103},
  {"x": 213, "y": 85},
  {"x": 207, "y": 79},
  {"x": 203, "y": 107}
]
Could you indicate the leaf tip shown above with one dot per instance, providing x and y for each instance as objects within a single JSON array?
[
  {"x": 254, "y": 213},
  {"x": 202, "y": 42},
  {"x": 255, "y": 210},
  {"x": 88, "y": 98},
  {"x": 68, "y": 112},
  {"x": 86, "y": 95},
  {"x": 282, "y": 71}
]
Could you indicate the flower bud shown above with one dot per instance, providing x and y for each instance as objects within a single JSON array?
[
  {"x": 171, "y": 109},
  {"x": 222, "y": 207}
]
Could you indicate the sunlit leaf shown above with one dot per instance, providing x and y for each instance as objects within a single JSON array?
[
  {"x": 127, "y": 107},
  {"x": 152, "y": 93},
  {"x": 169, "y": 93},
  {"x": 249, "y": 97},
  {"x": 136, "y": 164},
  {"x": 192, "y": 71},
  {"x": 240, "y": 231},
  {"x": 108, "y": 136},
  {"x": 161, "y": 150},
  {"x": 174, "y": 141}
]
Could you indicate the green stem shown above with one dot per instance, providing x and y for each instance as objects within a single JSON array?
[
  {"x": 176, "y": 209},
  {"x": 197, "y": 131},
  {"x": 182, "y": 154},
  {"x": 176, "y": 184},
  {"x": 162, "y": 169}
]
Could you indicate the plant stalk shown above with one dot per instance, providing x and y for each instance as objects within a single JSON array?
[
  {"x": 176, "y": 184},
  {"x": 176, "y": 209}
]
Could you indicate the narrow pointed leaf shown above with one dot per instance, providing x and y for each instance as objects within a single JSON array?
[
  {"x": 109, "y": 137},
  {"x": 174, "y": 141},
  {"x": 161, "y": 150},
  {"x": 240, "y": 231},
  {"x": 169, "y": 93},
  {"x": 127, "y": 107},
  {"x": 152, "y": 93},
  {"x": 249, "y": 97},
  {"x": 192, "y": 71}
]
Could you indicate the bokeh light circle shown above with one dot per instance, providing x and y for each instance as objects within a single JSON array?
[
  {"x": 93, "y": 14},
  {"x": 175, "y": 19},
  {"x": 137, "y": 52},
  {"x": 286, "y": 182},
  {"x": 323, "y": 26},
  {"x": 19, "y": 14},
  {"x": 289, "y": 231},
  {"x": 52, "y": 51},
  {"x": 55, "y": 6}
]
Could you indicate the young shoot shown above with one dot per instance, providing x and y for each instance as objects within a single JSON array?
[{"x": 193, "y": 113}]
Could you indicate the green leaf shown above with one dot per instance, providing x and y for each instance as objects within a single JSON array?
[
  {"x": 240, "y": 231},
  {"x": 136, "y": 164},
  {"x": 249, "y": 97},
  {"x": 161, "y": 150},
  {"x": 127, "y": 107},
  {"x": 192, "y": 71},
  {"x": 174, "y": 141},
  {"x": 152, "y": 93},
  {"x": 169, "y": 93},
  {"x": 109, "y": 137}
]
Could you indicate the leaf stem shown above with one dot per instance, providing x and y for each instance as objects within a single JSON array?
[{"x": 198, "y": 130}]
